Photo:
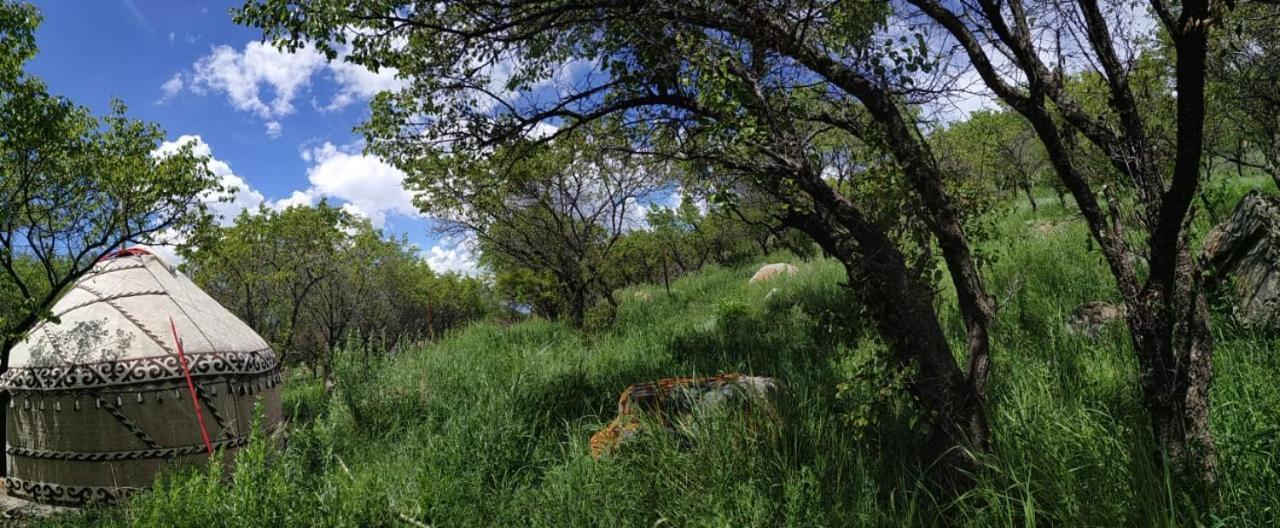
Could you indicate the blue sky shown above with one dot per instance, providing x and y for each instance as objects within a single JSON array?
[{"x": 278, "y": 126}]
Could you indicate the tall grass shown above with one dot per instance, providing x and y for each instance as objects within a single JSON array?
[{"x": 489, "y": 427}]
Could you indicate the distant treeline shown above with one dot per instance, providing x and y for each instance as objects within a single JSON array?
[{"x": 312, "y": 278}]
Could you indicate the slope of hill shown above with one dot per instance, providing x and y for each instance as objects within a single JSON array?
[{"x": 489, "y": 427}]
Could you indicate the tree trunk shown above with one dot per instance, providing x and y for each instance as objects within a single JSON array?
[
  {"x": 902, "y": 307},
  {"x": 578, "y": 306},
  {"x": 1174, "y": 346},
  {"x": 1273, "y": 165},
  {"x": 675, "y": 255},
  {"x": 666, "y": 280},
  {"x": 764, "y": 245},
  {"x": 431, "y": 320}
]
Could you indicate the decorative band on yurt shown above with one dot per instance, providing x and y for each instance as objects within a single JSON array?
[
  {"x": 49, "y": 493},
  {"x": 138, "y": 371}
]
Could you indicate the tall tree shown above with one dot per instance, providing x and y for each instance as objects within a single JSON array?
[
  {"x": 754, "y": 82},
  {"x": 1006, "y": 43},
  {"x": 996, "y": 147},
  {"x": 75, "y": 187},
  {"x": 1245, "y": 89},
  {"x": 552, "y": 214}
]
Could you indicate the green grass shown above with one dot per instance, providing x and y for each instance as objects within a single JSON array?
[{"x": 489, "y": 427}]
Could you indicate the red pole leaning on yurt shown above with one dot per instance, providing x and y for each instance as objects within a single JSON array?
[{"x": 191, "y": 386}]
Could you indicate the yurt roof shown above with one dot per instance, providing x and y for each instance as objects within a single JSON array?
[{"x": 113, "y": 328}]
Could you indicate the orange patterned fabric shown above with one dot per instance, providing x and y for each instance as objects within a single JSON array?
[{"x": 669, "y": 398}]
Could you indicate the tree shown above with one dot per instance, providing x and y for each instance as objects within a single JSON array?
[
  {"x": 751, "y": 86},
  {"x": 358, "y": 292},
  {"x": 546, "y": 221},
  {"x": 996, "y": 147},
  {"x": 1167, "y": 316},
  {"x": 450, "y": 300},
  {"x": 1245, "y": 89},
  {"x": 74, "y": 187},
  {"x": 737, "y": 214}
]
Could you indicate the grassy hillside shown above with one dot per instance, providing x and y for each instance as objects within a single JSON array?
[{"x": 490, "y": 426}]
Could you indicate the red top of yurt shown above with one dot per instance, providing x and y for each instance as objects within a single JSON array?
[{"x": 126, "y": 252}]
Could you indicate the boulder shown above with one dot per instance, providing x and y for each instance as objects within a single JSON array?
[
  {"x": 670, "y": 403},
  {"x": 769, "y": 271},
  {"x": 1091, "y": 318},
  {"x": 1246, "y": 249}
]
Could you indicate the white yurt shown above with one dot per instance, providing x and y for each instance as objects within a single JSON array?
[{"x": 100, "y": 400}]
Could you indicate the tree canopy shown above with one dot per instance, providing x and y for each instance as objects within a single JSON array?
[{"x": 75, "y": 186}]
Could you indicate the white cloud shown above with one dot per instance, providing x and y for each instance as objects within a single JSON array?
[
  {"x": 678, "y": 196},
  {"x": 357, "y": 83},
  {"x": 542, "y": 130},
  {"x": 498, "y": 74},
  {"x": 367, "y": 183},
  {"x": 243, "y": 197},
  {"x": 636, "y": 215},
  {"x": 355, "y": 210},
  {"x": 366, "y": 186},
  {"x": 297, "y": 199},
  {"x": 171, "y": 87},
  {"x": 453, "y": 255},
  {"x": 225, "y": 205},
  {"x": 242, "y": 76},
  {"x": 966, "y": 95},
  {"x": 266, "y": 81}
]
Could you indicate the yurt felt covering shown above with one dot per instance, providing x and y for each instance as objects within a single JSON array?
[{"x": 99, "y": 402}]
